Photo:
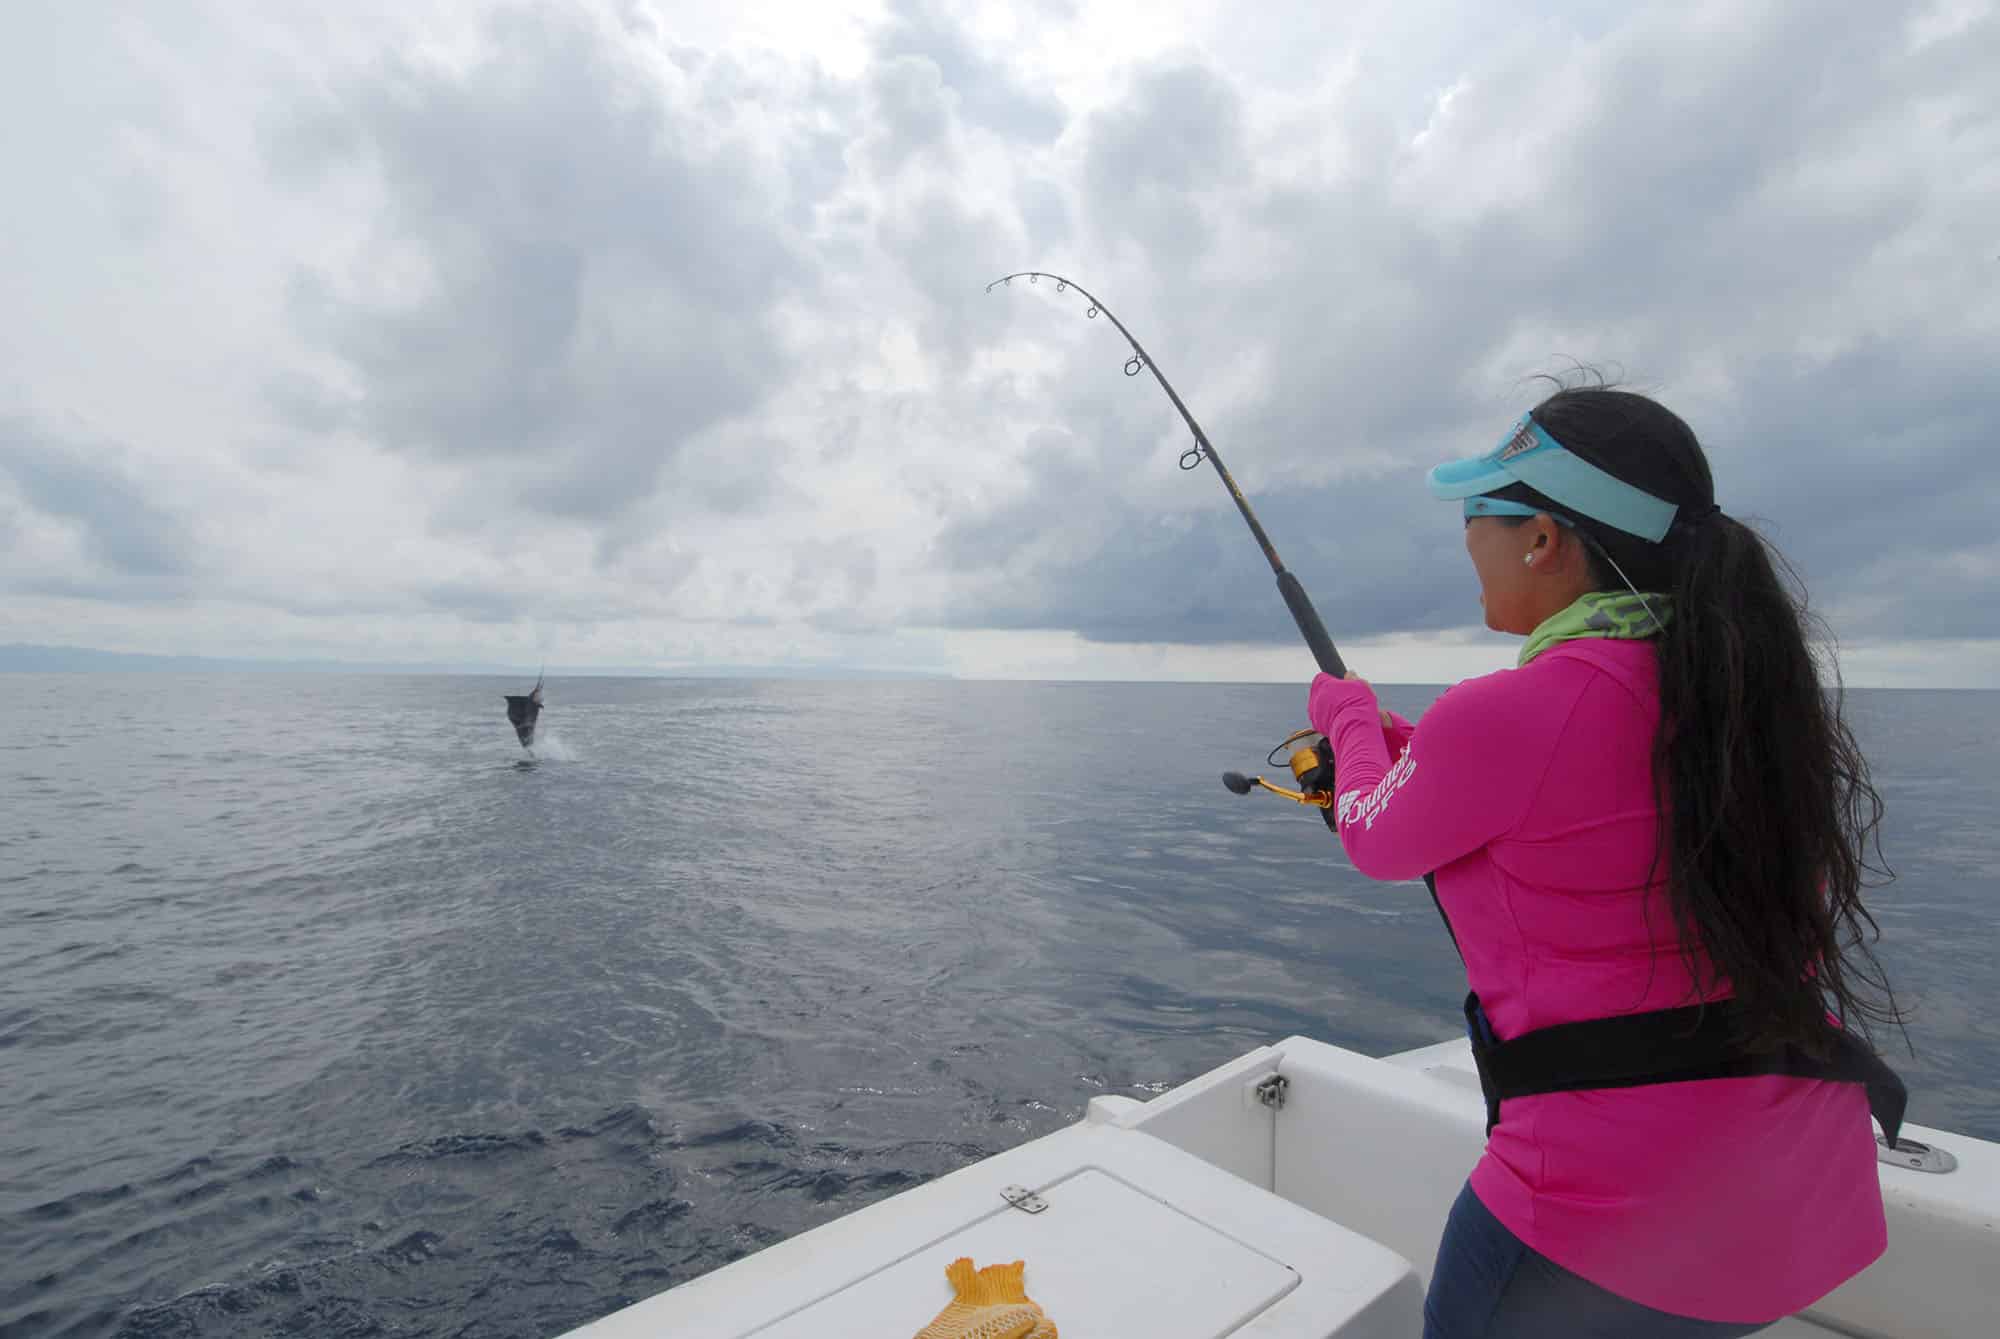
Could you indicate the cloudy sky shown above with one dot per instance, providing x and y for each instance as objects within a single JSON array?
[{"x": 656, "y": 334}]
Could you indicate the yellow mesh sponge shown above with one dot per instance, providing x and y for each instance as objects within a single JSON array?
[{"x": 990, "y": 1303}]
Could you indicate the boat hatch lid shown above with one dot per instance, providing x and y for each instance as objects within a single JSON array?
[{"x": 1103, "y": 1257}]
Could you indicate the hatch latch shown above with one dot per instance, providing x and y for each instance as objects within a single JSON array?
[
  {"x": 1024, "y": 1199},
  {"x": 1271, "y": 1090}
]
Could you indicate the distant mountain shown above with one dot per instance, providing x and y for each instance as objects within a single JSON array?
[{"x": 20, "y": 658}]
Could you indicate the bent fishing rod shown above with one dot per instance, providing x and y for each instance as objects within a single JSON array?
[
  {"x": 1306, "y": 763},
  {"x": 1296, "y": 600}
]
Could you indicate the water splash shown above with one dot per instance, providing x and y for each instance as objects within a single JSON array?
[{"x": 550, "y": 746}]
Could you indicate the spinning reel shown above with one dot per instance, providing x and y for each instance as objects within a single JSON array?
[{"x": 1312, "y": 769}]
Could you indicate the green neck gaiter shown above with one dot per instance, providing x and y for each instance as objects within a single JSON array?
[{"x": 1601, "y": 613}]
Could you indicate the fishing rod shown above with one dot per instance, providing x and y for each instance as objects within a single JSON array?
[
  {"x": 1312, "y": 765},
  {"x": 1296, "y": 600}
]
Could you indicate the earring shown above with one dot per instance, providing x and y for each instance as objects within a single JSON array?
[{"x": 1528, "y": 558}]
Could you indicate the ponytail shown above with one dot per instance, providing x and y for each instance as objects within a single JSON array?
[{"x": 1767, "y": 812}]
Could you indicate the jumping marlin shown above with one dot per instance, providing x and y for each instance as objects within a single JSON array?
[{"x": 522, "y": 711}]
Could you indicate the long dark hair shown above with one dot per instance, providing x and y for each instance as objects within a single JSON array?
[{"x": 1767, "y": 815}]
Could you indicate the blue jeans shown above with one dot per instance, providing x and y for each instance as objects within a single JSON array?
[{"x": 1489, "y": 1285}]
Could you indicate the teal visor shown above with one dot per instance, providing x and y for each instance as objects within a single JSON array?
[
  {"x": 1528, "y": 455},
  {"x": 1500, "y": 506}
]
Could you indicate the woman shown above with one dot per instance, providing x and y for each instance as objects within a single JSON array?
[{"x": 1660, "y": 810}]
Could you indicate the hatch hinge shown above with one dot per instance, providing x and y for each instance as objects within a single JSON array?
[
  {"x": 1271, "y": 1090},
  {"x": 1918, "y": 1157},
  {"x": 1024, "y": 1199}
]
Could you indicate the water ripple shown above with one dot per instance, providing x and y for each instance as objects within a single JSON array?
[{"x": 331, "y": 1021}]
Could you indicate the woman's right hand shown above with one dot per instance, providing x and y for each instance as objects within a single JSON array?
[
  {"x": 1325, "y": 697},
  {"x": 1388, "y": 721}
]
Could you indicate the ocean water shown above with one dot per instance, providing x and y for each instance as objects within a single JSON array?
[{"x": 324, "y": 1011}]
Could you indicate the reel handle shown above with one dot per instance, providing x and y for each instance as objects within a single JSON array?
[{"x": 1243, "y": 785}]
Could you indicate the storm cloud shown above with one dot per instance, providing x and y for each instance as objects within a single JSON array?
[
  {"x": 648, "y": 333},
  {"x": 574, "y": 269},
  {"x": 101, "y": 530}
]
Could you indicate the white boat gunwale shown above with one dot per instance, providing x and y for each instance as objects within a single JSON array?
[{"x": 1346, "y": 1183}]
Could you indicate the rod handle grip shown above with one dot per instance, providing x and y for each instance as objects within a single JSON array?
[{"x": 1310, "y": 627}]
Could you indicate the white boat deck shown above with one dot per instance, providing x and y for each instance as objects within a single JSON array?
[{"x": 1209, "y": 1212}]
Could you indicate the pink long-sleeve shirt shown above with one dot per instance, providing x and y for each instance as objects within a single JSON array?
[{"x": 1529, "y": 794}]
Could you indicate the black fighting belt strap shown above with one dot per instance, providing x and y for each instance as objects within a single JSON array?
[{"x": 1697, "y": 1041}]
